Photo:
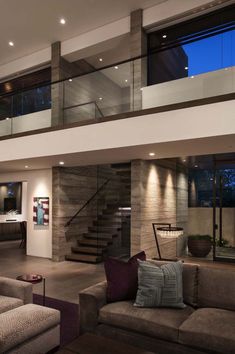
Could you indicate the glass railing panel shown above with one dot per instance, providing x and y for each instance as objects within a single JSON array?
[
  {"x": 211, "y": 84},
  {"x": 99, "y": 94},
  {"x": 121, "y": 88},
  {"x": 81, "y": 112},
  {"x": 5, "y": 127}
]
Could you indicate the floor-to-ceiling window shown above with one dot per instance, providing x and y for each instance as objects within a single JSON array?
[{"x": 195, "y": 47}]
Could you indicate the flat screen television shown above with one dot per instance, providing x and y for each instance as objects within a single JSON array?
[
  {"x": 10, "y": 197},
  {"x": 9, "y": 204}
]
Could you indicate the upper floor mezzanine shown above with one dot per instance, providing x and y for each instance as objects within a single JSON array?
[{"x": 184, "y": 65}]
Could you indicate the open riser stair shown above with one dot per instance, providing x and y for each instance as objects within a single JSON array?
[{"x": 110, "y": 224}]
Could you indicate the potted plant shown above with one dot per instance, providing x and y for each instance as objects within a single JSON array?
[{"x": 199, "y": 245}]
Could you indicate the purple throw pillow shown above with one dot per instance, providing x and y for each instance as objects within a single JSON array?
[{"x": 122, "y": 277}]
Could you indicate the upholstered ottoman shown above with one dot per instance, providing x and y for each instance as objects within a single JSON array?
[{"x": 29, "y": 329}]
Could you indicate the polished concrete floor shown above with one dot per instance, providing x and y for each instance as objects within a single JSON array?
[{"x": 64, "y": 280}]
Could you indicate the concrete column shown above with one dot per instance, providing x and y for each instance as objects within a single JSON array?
[
  {"x": 56, "y": 89},
  {"x": 138, "y": 47},
  {"x": 158, "y": 194}
]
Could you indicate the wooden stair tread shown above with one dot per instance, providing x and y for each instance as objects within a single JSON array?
[
  {"x": 83, "y": 258},
  {"x": 98, "y": 236},
  {"x": 87, "y": 250},
  {"x": 96, "y": 243}
]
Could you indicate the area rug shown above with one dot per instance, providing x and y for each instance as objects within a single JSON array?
[{"x": 69, "y": 328}]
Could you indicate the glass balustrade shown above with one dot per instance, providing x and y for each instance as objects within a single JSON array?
[{"x": 163, "y": 78}]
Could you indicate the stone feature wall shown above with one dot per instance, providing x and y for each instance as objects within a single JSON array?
[
  {"x": 71, "y": 188},
  {"x": 159, "y": 193}
]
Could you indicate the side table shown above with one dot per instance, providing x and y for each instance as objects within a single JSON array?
[{"x": 34, "y": 279}]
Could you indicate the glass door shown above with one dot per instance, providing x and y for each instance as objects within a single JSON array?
[{"x": 224, "y": 210}]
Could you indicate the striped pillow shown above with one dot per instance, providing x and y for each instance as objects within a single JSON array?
[{"x": 160, "y": 286}]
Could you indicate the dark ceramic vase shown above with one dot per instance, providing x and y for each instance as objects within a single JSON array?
[{"x": 199, "y": 247}]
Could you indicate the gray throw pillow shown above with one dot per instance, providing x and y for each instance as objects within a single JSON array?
[{"x": 160, "y": 286}]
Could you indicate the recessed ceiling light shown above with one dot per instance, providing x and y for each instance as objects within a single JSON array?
[
  {"x": 196, "y": 166},
  {"x": 70, "y": 80},
  {"x": 61, "y": 163},
  {"x": 116, "y": 67},
  {"x": 186, "y": 67},
  {"x": 152, "y": 154},
  {"x": 184, "y": 160},
  {"x": 164, "y": 36},
  {"x": 100, "y": 98},
  {"x": 100, "y": 59},
  {"x": 7, "y": 118},
  {"x": 62, "y": 21},
  {"x": 126, "y": 80},
  {"x": 26, "y": 166},
  {"x": 11, "y": 44}
]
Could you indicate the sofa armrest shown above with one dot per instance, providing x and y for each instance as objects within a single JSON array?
[
  {"x": 90, "y": 302},
  {"x": 17, "y": 289}
]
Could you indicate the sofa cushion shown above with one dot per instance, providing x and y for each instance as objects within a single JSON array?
[
  {"x": 122, "y": 277},
  {"x": 160, "y": 286},
  {"x": 162, "y": 323},
  {"x": 210, "y": 329},
  {"x": 9, "y": 303},
  {"x": 25, "y": 322},
  {"x": 216, "y": 288},
  {"x": 190, "y": 281}
]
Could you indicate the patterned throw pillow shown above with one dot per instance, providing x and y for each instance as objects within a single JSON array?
[{"x": 160, "y": 286}]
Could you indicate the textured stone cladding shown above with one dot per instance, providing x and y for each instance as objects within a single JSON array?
[
  {"x": 159, "y": 193},
  {"x": 71, "y": 187}
]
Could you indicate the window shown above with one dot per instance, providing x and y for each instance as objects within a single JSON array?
[{"x": 195, "y": 47}]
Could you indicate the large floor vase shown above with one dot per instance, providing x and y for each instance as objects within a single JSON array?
[{"x": 199, "y": 247}]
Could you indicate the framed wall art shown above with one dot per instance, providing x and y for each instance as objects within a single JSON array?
[{"x": 41, "y": 211}]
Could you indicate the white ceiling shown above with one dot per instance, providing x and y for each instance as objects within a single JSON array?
[
  {"x": 33, "y": 25},
  {"x": 195, "y": 147}
]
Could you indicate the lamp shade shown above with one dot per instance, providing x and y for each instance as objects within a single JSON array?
[{"x": 170, "y": 231}]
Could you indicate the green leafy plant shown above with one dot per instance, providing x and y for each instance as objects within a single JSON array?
[{"x": 218, "y": 243}]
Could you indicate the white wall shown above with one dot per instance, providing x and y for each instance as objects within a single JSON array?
[
  {"x": 212, "y": 120},
  {"x": 215, "y": 83},
  {"x": 37, "y": 183}
]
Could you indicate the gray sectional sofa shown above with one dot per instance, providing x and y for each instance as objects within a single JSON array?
[
  {"x": 206, "y": 325},
  {"x": 25, "y": 328}
]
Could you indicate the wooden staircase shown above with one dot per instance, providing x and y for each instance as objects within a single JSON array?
[{"x": 94, "y": 245}]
